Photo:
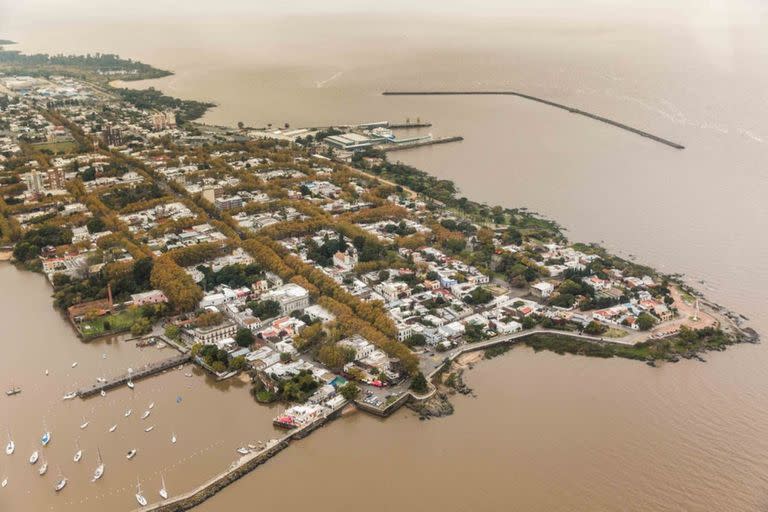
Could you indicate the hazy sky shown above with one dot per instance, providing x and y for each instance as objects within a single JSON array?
[{"x": 657, "y": 11}]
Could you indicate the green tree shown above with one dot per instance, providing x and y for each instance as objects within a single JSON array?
[
  {"x": 173, "y": 332},
  {"x": 95, "y": 225},
  {"x": 265, "y": 308},
  {"x": 416, "y": 340},
  {"x": 141, "y": 326},
  {"x": 645, "y": 321},
  {"x": 237, "y": 363},
  {"x": 419, "y": 383},
  {"x": 244, "y": 337},
  {"x": 349, "y": 390},
  {"x": 595, "y": 328}
]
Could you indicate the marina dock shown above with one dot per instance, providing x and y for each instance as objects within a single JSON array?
[
  {"x": 135, "y": 375},
  {"x": 572, "y": 110}
]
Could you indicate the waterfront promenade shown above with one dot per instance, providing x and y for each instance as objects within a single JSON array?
[
  {"x": 239, "y": 468},
  {"x": 430, "y": 367}
]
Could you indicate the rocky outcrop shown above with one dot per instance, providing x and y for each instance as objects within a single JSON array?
[{"x": 436, "y": 406}]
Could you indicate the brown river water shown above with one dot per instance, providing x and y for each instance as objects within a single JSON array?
[{"x": 546, "y": 432}]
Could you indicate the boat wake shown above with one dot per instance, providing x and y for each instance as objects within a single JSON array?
[{"x": 322, "y": 83}]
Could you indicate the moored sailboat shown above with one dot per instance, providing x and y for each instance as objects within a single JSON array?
[
  {"x": 100, "y": 468},
  {"x": 79, "y": 453},
  {"x": 11, "y": 446},
  {"x": 163, "y": 490},
  {"x": 61, "y": 483},
  {"x": 139, "y": 496}
]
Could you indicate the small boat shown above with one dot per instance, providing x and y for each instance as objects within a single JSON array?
[
  {"x": 84, "y": 424},
  {"x": 74, "y": 365},
  {"x": 33, "y": 458},
  {"x": 61, "y": 483},
  {"x": 45, "y": 438},
  {"x": 163, "y": 490},
  {"x": 130, "y": 384},
  {"x": 139, "y": 496},
  {"x": 242, "y": 450},
  {"x": 70, "y": 395},
  {"x": 46, "y": 373},
  {"x": 151, "y": 406},
  {"x": 173, "y": 438},
  {"x": 44, "y": 468},
  {"x": 99, "y": 469},
  {"x": 251, "y": 446},
  {"x": 127, "y": 413},
  {"x": 104, "y": 356},
  {"x": 145, "y": 415},
  {"x": 103, "y": 393},
  {"x": 188, "y": 374},
  {"x": 149, "y": 429},
  {"x": 4, "y": 483},
  {"x": 113, "y": 427},
  {"x": 79, "y": 453},
  {"x": 131, "y": 454},
  {"x": 13, "y": 390},
  {"x": 11, "y": 446},
  {"x": 101, "y": 380}
]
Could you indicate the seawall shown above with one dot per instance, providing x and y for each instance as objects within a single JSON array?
[{"x": 572, "y": 110}]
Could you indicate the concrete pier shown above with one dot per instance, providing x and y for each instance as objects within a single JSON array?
[
  {"x": 572, "y": 110},
  {"x": 141, "y": 373},
  {"x": 238, "y": 469},
  {"x": 409, "y": 145}
]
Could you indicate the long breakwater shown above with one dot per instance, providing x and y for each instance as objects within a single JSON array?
[{"x": 572, "y": 110}]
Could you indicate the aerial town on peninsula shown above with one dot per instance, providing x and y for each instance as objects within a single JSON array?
[{"x": 303, "y": 258}]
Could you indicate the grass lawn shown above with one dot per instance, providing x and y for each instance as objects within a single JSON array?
[
  {"x": 121, "y": 321},
  {"x": 615, "y": 333},
  {"x": 57, "y": 147}
]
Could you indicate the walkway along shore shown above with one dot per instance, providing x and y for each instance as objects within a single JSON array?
[
  {"x": 239, "y": 468},
  {"x": 248, "y": 463},
  {"x": 572, "y": 110}
]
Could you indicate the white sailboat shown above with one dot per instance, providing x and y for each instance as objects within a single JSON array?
[
  {"x": 44, "y": 468},
  {"x": 33, "y": 458},
  {"x": 113, "y": 427},
  {"x": 74, "y": 365},
  {"x": 139, "y": 496},
  {"x": 131, "y": 454},
  {"x": 145, "y": 415},
  {"x": 173, "y": 437},
  {"x": 127, "y": 413},
  {"x": 46, "y": 373},
  {"x": 84, "y": 424},
  {"x": 11, "y": 446},
  {"x": 103, "y": 393},
  {"x": 4, "y": 483},
  {"x": 100, "y": 468},
  {"x": 151, "y": 406},
  {"x": 130, "y": 384},
  {"x": 69, "y": 396},
  {"x": 149, "y": 429},
  {"x": 163, "y": 490},
  {"x": 79, "y": 453},
  {"x": 61, "y": 483}
]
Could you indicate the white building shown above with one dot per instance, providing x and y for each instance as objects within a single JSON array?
[{"x": 291, "y": 297}]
